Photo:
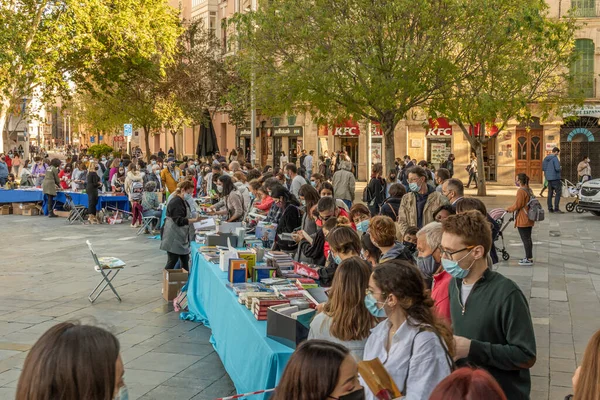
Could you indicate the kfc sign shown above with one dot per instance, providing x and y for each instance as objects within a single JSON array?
[
  {"x": 347, "y": 128},
  {"x": 439, "y": 127}
]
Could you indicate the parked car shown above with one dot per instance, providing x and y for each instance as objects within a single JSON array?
[{"x": 590, "y": 197}]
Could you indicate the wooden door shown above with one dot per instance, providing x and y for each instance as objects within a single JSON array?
[{"x": 529, "y": 154}]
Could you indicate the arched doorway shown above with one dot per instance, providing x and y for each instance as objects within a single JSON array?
[
  {"x": 579, "y": 138},
  {"x": 529, "y": 151}
]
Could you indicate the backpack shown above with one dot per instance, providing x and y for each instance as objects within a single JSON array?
[
  {"x": 137, "y": 188},
  {"x": 535, "y": 212},
  {"x": 369, "y": 197},
  {"x": 444, "y": 164}
]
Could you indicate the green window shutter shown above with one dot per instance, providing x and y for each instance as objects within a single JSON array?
[
  {"x": 584, "y": 8},
  {"x": 583, "y": 68}
]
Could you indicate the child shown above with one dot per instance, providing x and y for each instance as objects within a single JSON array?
[
  {"x": 410, "y": 238},
  {"x": 11, "y": 183}
]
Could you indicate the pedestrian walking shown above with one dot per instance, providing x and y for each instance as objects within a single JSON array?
[
  {"x": 584, "y": 170},
  {"x": 50, "y": 184},
  {"x": 374, "y": 194},
  {"x": 344, "y": 183},
  {"x": 551, "y": 167},
  {"x": 522, "y": 222},
  {"x": 307, "y": 163},
  {"x": 472, "y": 170}
]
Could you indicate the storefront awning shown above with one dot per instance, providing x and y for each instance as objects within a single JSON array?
[{"x": 288, "y": 131}]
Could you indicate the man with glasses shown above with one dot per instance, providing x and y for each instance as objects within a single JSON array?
[{"x": 490, "y": 315}]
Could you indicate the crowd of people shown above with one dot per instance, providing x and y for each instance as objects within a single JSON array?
[{"x": 409, "y": 270}]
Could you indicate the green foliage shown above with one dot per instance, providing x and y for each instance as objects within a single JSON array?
[{"x": 99, "y": 150}]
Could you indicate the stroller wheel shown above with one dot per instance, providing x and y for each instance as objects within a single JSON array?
[
  {"x": 579, "y": 209},
  {"x": 505, "y": 255},
  {"x": 570, "y": 207}
]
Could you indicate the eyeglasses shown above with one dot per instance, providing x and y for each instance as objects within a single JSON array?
[{"x": 448, "y": 254}]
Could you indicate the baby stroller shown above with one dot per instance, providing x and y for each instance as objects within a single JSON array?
[
  {"x": 498, "y": 215},
  {"x": 571, "y": 192}
]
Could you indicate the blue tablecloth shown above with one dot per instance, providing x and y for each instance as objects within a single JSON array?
[
  {"x": 253, "y": 361},
  {"x": 32, "y": 196}
]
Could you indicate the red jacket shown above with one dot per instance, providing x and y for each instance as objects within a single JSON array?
[
  {"x": 265, "y": 204},
  {"x": 441, "y": 296}
]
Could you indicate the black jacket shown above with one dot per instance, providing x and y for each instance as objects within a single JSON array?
[
  {"x": 390, "y": 207},
  {"x": 290, "y": 219}
]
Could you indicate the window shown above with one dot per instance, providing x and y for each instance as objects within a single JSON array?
[
  {"x": 224, "y": 35},
  {"x": 212, "y": 24},
  {"x": 583, "y": 68},
  {"x": 584, "y": 8}
]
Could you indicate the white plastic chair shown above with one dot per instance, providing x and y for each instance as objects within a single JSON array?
[{"x": 103, "y": 264}]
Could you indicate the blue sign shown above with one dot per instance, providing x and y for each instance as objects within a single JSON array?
[
  {"x": 100, "y": 137},
  {"x": 127, "y": 130},
  {"x": 580, "y": 131},
  {"x": 92, "y": 139}
]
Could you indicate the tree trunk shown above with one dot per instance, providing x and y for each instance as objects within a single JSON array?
[
  {"x": 3, "y": 120},
  {"x": 173, "y": 134},
  {"x": 147, "y": 142},
  {"x": 481, "y": 183},
  {"x": 387, "y": 125}
]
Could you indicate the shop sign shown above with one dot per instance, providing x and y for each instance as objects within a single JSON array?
[
  {"x": 439, "y": 127},
  {"x": 550, "y": 146},
  {"x": 348, "y": 128},
  {"x": 118, "y": 139},
  {"x": 376, "y": 130},
  {"x": 490, "y": 130},
  {"x": 586, "y": 111},
  {"x": 244, "y": 131},
  {"x": 288, "y": 131}
]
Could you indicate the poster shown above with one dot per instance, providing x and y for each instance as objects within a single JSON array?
[
  {"x": 376, "y": 152},
  {"x": 269, "y": 147},
  {"x": 439, "y": 152},
  {"x": 324, "y": 145}
]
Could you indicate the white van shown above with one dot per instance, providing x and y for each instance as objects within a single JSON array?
[{"x": 589, "y": 196}]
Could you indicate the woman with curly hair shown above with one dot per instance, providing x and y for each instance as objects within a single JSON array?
[{"x": 413, "y": 345}]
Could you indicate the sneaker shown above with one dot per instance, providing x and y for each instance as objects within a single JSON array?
[
  {"x": 525, "y": 262},
  {"x": 559, "y": 211}
]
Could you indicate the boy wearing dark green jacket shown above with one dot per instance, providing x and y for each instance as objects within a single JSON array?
[{"x": 490, "y": 315}]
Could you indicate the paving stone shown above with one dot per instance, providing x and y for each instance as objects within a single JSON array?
[
  {"x": 163, "y": 362},
  {"x": 172, "y": 392}
]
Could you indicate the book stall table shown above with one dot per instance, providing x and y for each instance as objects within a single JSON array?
[
  {"x": 80, "y": 199},
  {"x": 252, "y": 360}
]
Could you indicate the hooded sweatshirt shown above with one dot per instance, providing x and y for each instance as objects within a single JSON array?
[
  {"x": 245, "y": 195},
  {"x": 397, "y": 252}
]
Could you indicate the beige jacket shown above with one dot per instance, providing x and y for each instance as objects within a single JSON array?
[{"x": 407, "y": 214}]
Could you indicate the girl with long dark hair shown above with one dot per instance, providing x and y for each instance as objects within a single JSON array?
[{"x": 232, "y": 202}]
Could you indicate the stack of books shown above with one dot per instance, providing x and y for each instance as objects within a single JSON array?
[
  {"x": 306, "y": 283},
  {"x": 239, "y": 288},
  {"x": 279, "y": 259},
  {"x": 247, "y": 298},
  {"x": 260, "y": 307}
]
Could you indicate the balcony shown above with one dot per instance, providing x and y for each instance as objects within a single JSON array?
[{"x": 585, "y": 8}]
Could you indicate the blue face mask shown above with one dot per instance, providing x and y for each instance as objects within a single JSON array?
[
  {"x": 371, "y": 305},
  {"x": 313, "y": 183},
  {"x": 427, "y": 265},
  {"x": 337, "y": 259},
  {"x": 187, "y": 196},
  {"x": 287, "y": 176},
  {"x": 453, "y": 268},
  {"x": 363, "y": 226},
  {"x": 123, "y": 393},
  {"x": 414, "y": 187}
]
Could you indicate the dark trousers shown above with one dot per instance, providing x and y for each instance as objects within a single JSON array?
[
  {"x": 554, "y": 189},
  {"x": 527, "y": 242},
  {"x": 50, "y": 204},
  {"x": 472, "y": 177},
  {"x": 172, "y": 259},
  {"x": 92, "y": 202}
]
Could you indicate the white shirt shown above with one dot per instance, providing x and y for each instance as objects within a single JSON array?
[
  {"x": 428, "y": 366},
  {"x": 283, "y": 160},
  {"x": 297, "y": 183},
  {"x": 465, "y": 291},
  {"x": 320, "y": 329},
  {"x": 308, "y": 162}
]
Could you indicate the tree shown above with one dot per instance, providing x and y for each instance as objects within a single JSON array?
[
  {"x": 171, "y": 114},
  {"x": 47, "y": 45},
  {"x": 516, "y": 59},
  {"x": 364, "y": 59}
]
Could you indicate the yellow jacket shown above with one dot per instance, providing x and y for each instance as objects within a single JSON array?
[{"x": 168, "y": 180}]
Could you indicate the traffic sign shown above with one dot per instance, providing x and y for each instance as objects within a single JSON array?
[{"x": 127, "y": 130}]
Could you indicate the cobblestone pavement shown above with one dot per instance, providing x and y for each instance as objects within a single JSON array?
[{"x": 46, "y": 275}]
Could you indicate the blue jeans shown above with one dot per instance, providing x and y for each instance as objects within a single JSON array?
[
  {"x": 308, "y": 175},
  {"x": 554, "y": 189}
]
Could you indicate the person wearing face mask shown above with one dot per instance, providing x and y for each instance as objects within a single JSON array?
[
  {"x": 415, "y": 347},
  {"x": 409, "y": 240},
  {"x": 73, "y": 361},
  {"x": 232, "y": 202},
  {"x": 360, "y": 217},
  {"x": 38, "y": 171},
  {"x": 291, "y": 173},
  {"x": 344, "y": 243},
  {"x": 344, "y": 183},
  {"x": 170, "y": 176},
  {"x": 374, "y": 194},
  {"x": 178, "y": 230},
  {"x": 441, "y": 176},
  {"x": 309, "y": 199},
  {"x": 417, "y": 207},
  {"x": 391, "y": 205},
  {"x": 118, "y": 181},
  {"x": 316, "y": 180},
  {"x": 290, "y": 218},
  {"x": 391, "y": 179},
  {"x": 584, "y": 170},
  {"x": 429, "y": 261},
  {"x": 322, "y": 370},
  {"x": 383, "y": 236},
  {"x": 490, "y": 314},
  {"x": 369, "y": 252},
  {"x": 154, "y": 176},
  {"x": 327, "y": 191},
  {"x": 344, "y": 318}
]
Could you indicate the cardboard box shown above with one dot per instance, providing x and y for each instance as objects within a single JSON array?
[
  {"x": 5, "y": 209},
  {"x": 31, "y": 211},
  {"x": 285, "y": 329},
  {"x": 173, "y": 280},
  {"x": 18, "y": 208},
  {"x": 62, "y": 214}
]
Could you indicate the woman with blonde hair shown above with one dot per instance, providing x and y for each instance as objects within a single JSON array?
[
  {"x": 345, "y": 318},
  {"x": 586, "y": 380}
]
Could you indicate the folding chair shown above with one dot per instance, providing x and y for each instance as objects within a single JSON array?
[
  {"x": 146, "y": 224},
  {"x": 77, "y": 211},
  {"x": 112, "y": 265}
]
